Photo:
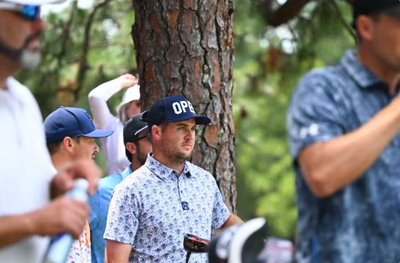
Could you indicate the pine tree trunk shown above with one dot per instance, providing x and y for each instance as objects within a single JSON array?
[{"x": 186, "y": 48}]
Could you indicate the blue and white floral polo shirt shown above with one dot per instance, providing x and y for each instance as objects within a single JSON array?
[
  {"x": 361, "y": 222},
  {"x": 154, "y": 208}
]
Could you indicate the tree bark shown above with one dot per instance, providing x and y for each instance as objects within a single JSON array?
[{"x": 186, "y": 48}]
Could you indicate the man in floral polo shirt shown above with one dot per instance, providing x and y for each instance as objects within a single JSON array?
[{"x": 154, "y": 207}]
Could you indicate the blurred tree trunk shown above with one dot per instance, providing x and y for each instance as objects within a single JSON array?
[{"x": 186, "y": 48}]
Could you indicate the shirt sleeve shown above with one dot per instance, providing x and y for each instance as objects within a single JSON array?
[
  {"x": 98, "y": 102},
  {"x": 123, "y": 214},
  {"x": 315, "y": 113},
  {"x": 220, "y": 211}
]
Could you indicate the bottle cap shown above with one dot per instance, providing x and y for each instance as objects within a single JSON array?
[{"x": 82, "y": 183}]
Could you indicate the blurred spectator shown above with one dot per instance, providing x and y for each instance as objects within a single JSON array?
[
  {"x": 113, "y": 146},
  {"x": 344, "y": 136}
]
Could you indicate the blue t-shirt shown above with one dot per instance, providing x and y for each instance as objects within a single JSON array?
[
  {"x": 154, "y": 207},
  {"x": 361, "y": 222},
  {"x": 99, "y": 204}
]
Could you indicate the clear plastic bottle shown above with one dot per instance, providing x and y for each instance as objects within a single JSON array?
[{"x": 60, "y": 245}]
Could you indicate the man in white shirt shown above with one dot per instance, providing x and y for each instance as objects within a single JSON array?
[
  {"x": 27, "y": 178},
  {"x": 113, "y": 146}
]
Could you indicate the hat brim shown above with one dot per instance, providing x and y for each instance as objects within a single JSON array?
[
  {"x": 99, "y": 133},
  {"x": 199, "y": 119},
  {"x": 202, "y": 120},
  {"x": 392, "y": 11},
  {"x": 142, "y": 129}
]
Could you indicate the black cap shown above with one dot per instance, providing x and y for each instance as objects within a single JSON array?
[
  {"x": 133, "y": 127},
  {"x": 369, "y": 7}
]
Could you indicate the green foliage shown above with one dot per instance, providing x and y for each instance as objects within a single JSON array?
[
  {"x": 266, "y": 72},
  {"x": 110, "y": 53}
]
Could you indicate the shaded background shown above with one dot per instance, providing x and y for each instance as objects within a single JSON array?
[{"x": 276, "y": 42}]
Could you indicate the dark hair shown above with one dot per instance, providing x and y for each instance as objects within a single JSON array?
[{"x": 53, "y": 147}]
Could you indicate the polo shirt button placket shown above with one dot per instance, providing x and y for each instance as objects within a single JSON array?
[{"x": 182, "y": 194}]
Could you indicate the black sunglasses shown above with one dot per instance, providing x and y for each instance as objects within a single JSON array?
[
  {"x": 29, "y": 12},
  {"x": 143, "y": 137}
]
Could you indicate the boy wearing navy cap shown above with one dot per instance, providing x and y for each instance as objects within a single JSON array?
[
  {"x": 70, "y": 136},
  {"x": 167, "y": 197}
]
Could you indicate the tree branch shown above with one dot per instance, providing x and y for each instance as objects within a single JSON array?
[
  {"x": 66, "y": 32},
  {"x": 342, "y": 20},
  {"x": 83, "y": 65},
  {"x": 284, "y": 13}
]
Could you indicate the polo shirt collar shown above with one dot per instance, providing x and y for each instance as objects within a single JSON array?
[
  {"x": 358, "y": 71},
  {"x": 363, "y": 77},
  {"x": 126, "y": 172},
  {"x": 162, "y": 171}
]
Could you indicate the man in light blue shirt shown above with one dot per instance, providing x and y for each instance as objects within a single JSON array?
[{"x": 137, "y": 145}]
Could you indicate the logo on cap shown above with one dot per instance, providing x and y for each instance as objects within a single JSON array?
[
  {"x": 173, "y": 109},
  {"x": 181, "y": 106}
]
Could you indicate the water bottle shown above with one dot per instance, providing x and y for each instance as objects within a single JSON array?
[{"x": 60, "y": 245}]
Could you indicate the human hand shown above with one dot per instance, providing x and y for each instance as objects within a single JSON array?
[
  {"x": 66, "y": 176},
  {"x": 127, "y": 80},
  {"x": 63, "y": 215}
]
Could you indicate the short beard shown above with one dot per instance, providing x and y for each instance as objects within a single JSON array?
[
  {"x": 29, "y": 59},
  {"x": 26, "y": 58},
  {"x": 139, "y": 154},
  {"x": 174, "y": 156}
]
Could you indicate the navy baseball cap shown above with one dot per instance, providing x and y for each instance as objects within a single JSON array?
[
  {"x": 72, "y": 122},
  {"x": 133, "y": 127},
  {"x": 368, "y": 7},
  {"x": 172, "y": 109}
]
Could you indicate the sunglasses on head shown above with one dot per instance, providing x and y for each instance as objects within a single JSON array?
[{"x": 29, "y": 12}]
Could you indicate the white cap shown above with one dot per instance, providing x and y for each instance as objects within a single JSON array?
[
  {"x": 131, "y": 94},
  {"x": 34, "y": 2}
]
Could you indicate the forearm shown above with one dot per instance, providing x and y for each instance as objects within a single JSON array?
[
  {"x": 330, "y": 166},
  {"x": 98, "y": 101},
  {"x": 106, "y": 90},
  {"x": 15, "y": 228},
  {"x": 230, "y": 221},
  {"x": 117, "y": 252}
]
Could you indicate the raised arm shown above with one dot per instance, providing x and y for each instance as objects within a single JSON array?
[
  {"x": 99, "y": 96},
  {"x": 329, "y": 154},
  {"x": 329, "y": 166}
]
